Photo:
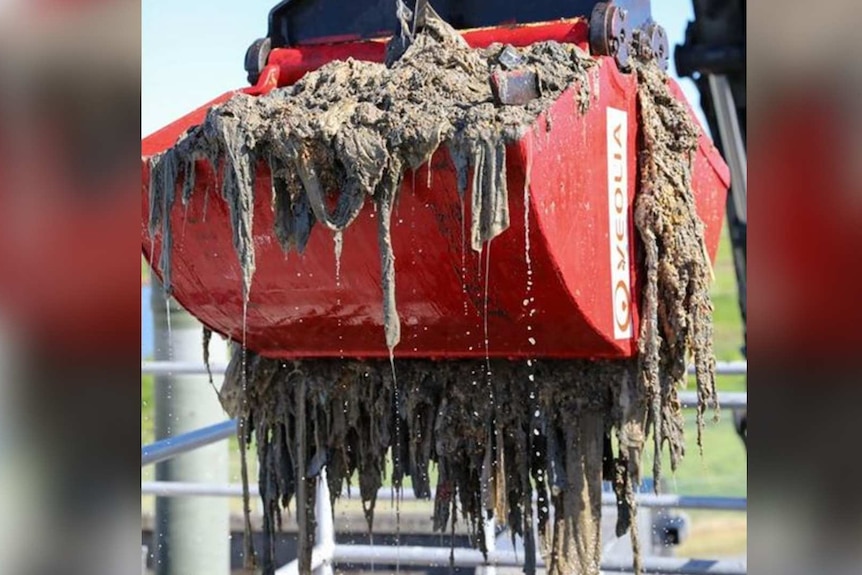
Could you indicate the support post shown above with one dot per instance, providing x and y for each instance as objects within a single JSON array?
[
  {"x": 192, "y": 533},
  {"x": 490, "y": 533},
  {"x": 325, "y": 536}
]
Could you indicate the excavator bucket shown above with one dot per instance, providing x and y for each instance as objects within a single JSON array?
[
  {"x": 480, "y": 197},
  {"x": 562, "y": 281}
]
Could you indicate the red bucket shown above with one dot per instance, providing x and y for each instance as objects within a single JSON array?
[{"x": 561, "y": 282}]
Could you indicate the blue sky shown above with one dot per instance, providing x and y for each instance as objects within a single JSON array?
[{"x": 193, "y": 50}]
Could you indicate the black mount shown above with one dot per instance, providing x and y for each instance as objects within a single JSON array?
[{"x": 294, "y": 22}]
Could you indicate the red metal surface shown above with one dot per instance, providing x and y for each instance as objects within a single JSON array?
[{"x": 559, "y": 305}]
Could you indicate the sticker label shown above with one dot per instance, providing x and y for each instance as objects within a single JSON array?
[{"x": 618, "y": 230}]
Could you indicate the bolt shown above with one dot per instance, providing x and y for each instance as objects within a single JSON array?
[{"x": 515, "y": 88}]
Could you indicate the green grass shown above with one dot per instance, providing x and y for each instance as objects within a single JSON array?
[
  {"x": 715, "y": 534},
  {"x": 721, "y": 470},
  {"x": 147, "y": 410},
  {"x": 727, "y": 321}
]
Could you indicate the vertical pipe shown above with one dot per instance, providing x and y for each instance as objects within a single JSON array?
[
  {"x": 732, "y": 141},
  {"x": 325, "y": 536},
  {"x": 192, "y": 533},
  {"x": 490, "y": 534}
]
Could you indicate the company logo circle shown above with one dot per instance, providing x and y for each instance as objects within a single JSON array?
[{"x": 622, "y": 306}]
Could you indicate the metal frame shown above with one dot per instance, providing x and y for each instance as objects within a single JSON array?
[
  {"x": 165, "y": 449},
  {"x": 734, "y": 146},
  {"x": 644, "y": 500},
  {"x": 462, "y": 557}
]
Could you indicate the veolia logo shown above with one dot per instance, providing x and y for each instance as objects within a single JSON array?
[{"x": 618, "y": 230}]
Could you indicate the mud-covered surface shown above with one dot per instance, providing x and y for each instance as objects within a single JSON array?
[
  {"x": 351, "y": 129},
  {"x": 676, "y": 309},
  {"x": 543, "y": 427},
  {"x": 496, "y": 431}
]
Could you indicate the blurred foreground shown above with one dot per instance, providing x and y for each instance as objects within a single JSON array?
[
  {"x": 69, "y": 122},
  {"x": 805, "y": 154}
]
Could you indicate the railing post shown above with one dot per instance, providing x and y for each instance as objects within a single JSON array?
[
  {"x": 325, "y": 535},
  {"x": 192, "y": 534},
  {"x": 490, "y": 534}
]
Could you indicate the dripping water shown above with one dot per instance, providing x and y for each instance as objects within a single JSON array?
[
  {"x": 338, "y": 239},
  {"x": 527, "y": 259},
  {"x": 396, "y": 459},
  {"x": 485, "y": 314},
  {"x": 528, "y": 297},
  {"x": 464, "y": 254},
  {"x": 338, "y": 320},
  {"x": 244, "y": 347},
  {"x": 170, "y": 329}
]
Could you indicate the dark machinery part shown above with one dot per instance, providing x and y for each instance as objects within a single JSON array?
[
  {"x": 610, "y": 32},
  {"x": 256, "y": 57},
  {"x": 293, "y": 22},
  {"x": 714, "y": 57},
  {"x": 740, "y": 420},
  {"x": 651, "y": 41}
]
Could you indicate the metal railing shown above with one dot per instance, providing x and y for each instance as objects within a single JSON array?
[
  {"x": 645, "y": 500},
  {"x": 328, "y": 553},
  {"x": 165, "y": 449},
  {"x": 462, "y": 557}
]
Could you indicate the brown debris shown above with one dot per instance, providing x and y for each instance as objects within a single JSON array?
[
  {"x": 485, "y": 452},
  {"x": 677, "y": 310}
]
